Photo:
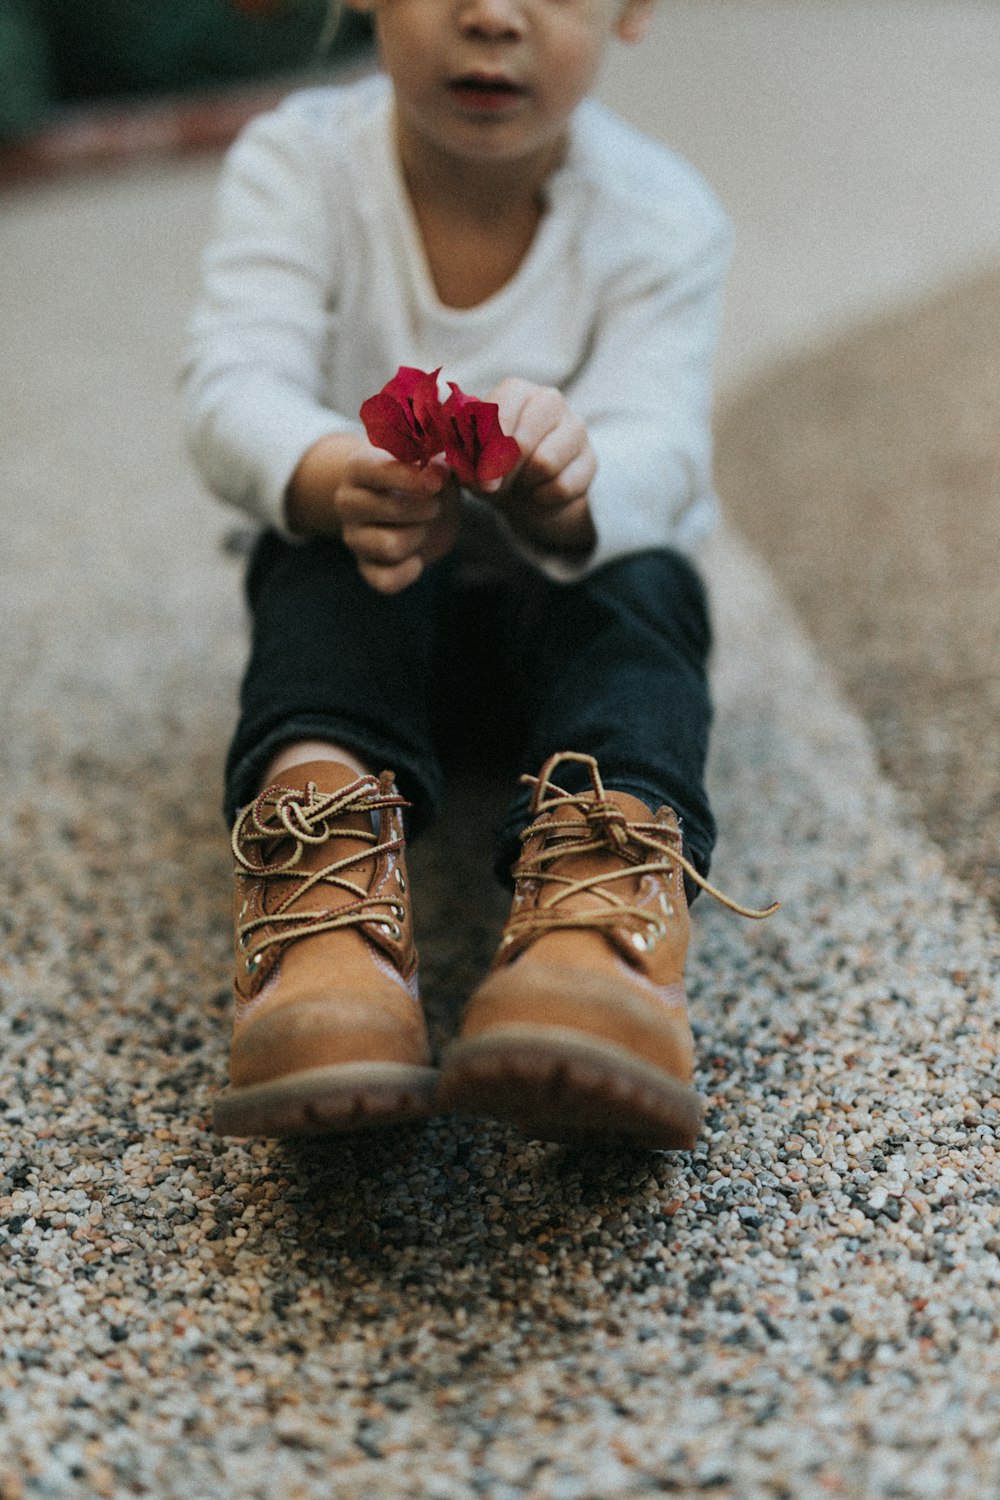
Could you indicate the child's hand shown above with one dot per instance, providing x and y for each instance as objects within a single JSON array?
[
  {"x": 396, "y": 518},
  {"x": 546, "y": 498}
]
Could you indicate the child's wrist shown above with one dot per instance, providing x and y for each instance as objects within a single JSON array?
[{"x": 310, "y": 497}]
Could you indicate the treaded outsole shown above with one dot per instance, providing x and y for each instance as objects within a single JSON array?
[
  {"x": 327, "y": 1101},
  {"x": 559, "y": 1085}
]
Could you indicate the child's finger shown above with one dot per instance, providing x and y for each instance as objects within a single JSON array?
[
  {"x": 511, "y": 396},
  {"x": 569, "y": 483},
  {"x": 528, "y": 413},
  {"x": 377, "y": 507},
  {"x": 561, "y": 448},
  {"x": 385, "y": 545},
  {"x": 541, "y": 415},
  {"x": 378, "y": 470}
]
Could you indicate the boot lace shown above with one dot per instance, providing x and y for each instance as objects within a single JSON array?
[
  {"x": 283, "y": 816},
  {"x": 645, "y": 849}
]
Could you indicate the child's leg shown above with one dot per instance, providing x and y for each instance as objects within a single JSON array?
[
  {"x": 337, "y": 667},
  {"x": 299, "y": 752},
  {"x": 616, "y": 667},
  {"x": 581, "y": 1029},
  {"x": 328, "y": 1032}
]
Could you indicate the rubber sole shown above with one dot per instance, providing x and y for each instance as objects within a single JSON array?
[
  {"x": 325, "y": 1101},
  {"x": 561, "y": 1085}
]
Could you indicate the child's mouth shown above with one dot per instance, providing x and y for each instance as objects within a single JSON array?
[{"x": 485, "y": 93}]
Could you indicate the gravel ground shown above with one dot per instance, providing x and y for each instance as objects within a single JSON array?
[{"x": 805, "y": 1305}]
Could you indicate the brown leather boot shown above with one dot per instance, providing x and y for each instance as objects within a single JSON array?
[
  {"x": 328, "y": 1033},
  {"x": 580, "y": 1032}
]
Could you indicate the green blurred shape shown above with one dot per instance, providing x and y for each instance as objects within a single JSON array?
[
  {"x": 59, "y": 51},
  {"x": 27, "y": 82}
]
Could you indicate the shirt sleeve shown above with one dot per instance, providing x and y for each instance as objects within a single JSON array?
[
  {"x": 645, "y": 394},
  {"x": 253, "y": 372}
]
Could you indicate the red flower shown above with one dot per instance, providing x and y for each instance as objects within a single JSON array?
[
  {"x": 408, "y": 419},
  {"x": 403, "y": 417},
  {"x": 475, "y": 444}
]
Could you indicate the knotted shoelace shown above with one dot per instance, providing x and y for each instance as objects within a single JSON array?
[
  {"x": 645, "y": 848},
  {"x": 309, "y": 819}
]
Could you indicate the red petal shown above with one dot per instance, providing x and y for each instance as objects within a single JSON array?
[
  {"x": 388, "y": 427},
  {"x": 404, "y": 418},
  {"x": 475, "y": 445}
]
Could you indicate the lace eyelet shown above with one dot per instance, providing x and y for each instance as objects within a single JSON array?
[
  {"x": 649, "y": 939},
  {"x": 391, "y": 929},
  {"x": 400, "y": 878}
]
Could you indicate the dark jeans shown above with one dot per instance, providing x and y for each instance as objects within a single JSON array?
[{"x": 500, "y": 665}]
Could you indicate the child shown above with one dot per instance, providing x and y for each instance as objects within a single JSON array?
[{"x": 468, "y": 209}]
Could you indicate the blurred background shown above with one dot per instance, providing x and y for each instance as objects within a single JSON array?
[
  {"x": 853, "y": 142},
  {"x": 58, "y": 53}
]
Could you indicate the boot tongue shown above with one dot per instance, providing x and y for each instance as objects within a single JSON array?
[
  {"x": 315, "y": 780},
  {"x": 615, "y": 851}
]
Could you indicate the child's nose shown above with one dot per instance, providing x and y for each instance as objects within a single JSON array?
[{"x": 493, "y": 19}]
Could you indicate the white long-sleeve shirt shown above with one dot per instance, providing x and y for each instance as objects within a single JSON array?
[{"x": 317, "y": 288}]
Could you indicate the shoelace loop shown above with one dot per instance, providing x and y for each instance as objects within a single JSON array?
[
  {"x": 607, "y": 824},
  {"x": 646, "y": 848},
  {"x": 309, "y": 818}
]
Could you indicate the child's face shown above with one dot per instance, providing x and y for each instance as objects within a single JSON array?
[{"x": 496, "y": 80}]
